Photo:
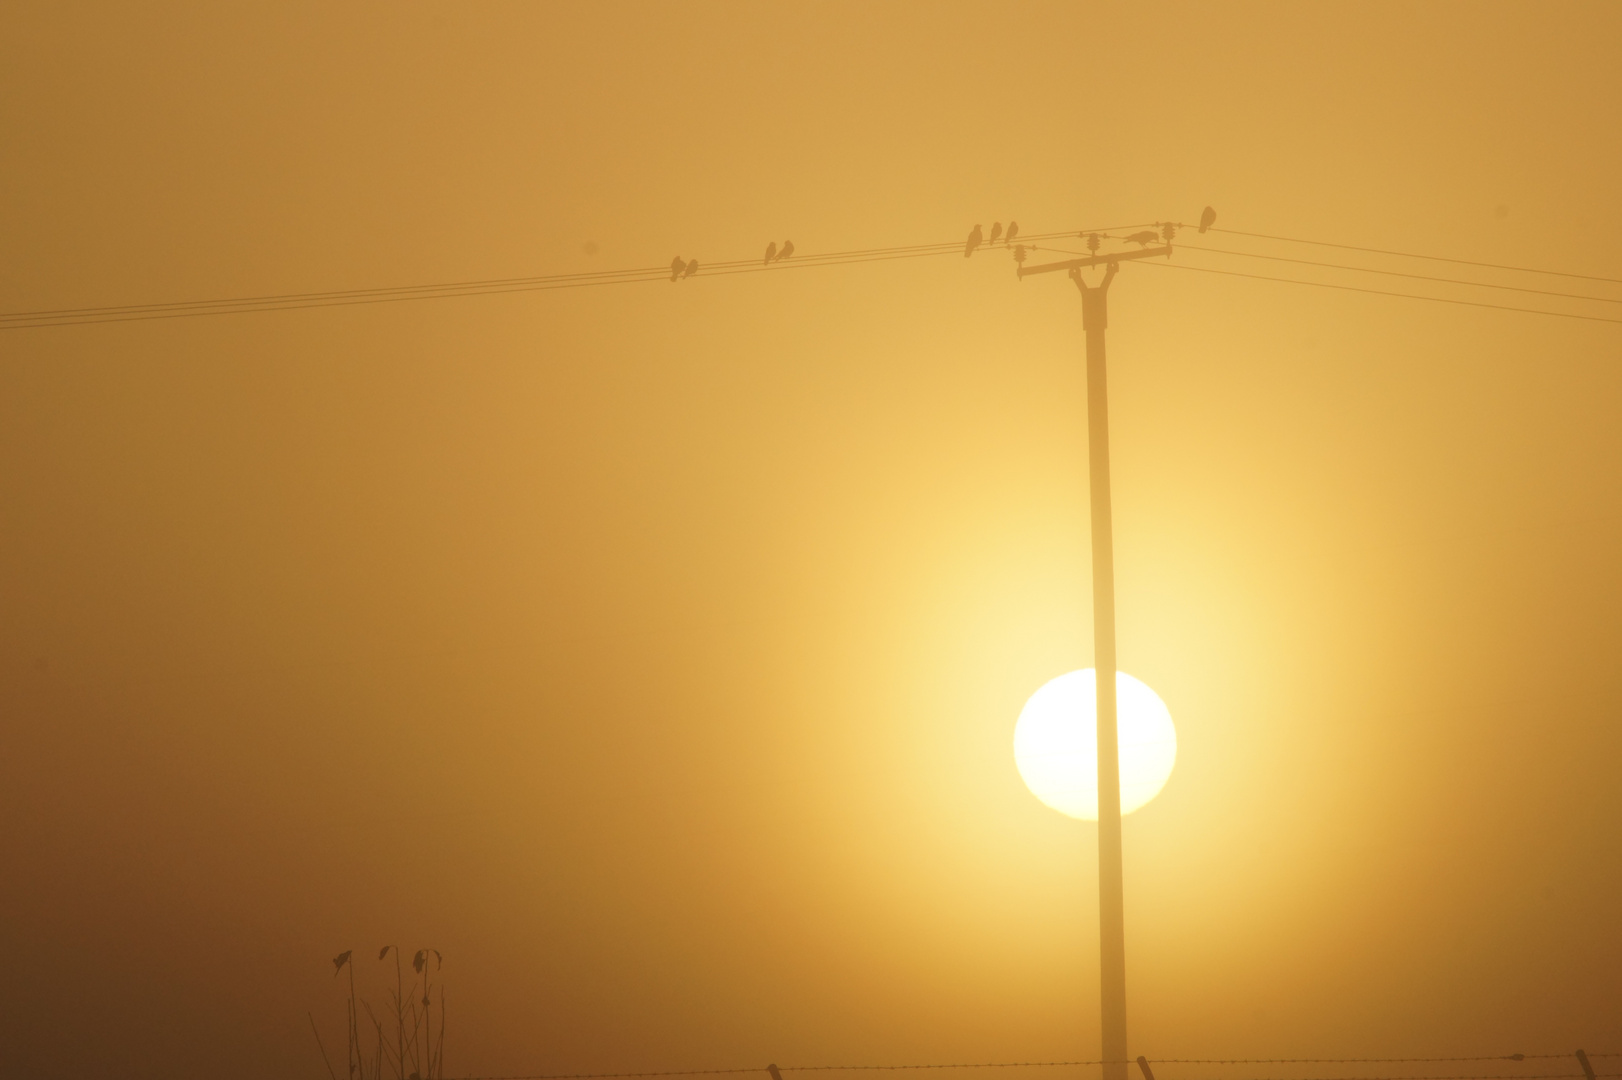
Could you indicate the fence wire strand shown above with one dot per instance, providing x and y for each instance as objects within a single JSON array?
[{"x": 1508, "y": 1058}]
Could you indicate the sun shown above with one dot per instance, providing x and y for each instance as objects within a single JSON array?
[{"x": 1056, "y": 743}]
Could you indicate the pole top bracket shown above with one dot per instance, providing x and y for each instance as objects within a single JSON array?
[{"x": 1094, "y": 260}]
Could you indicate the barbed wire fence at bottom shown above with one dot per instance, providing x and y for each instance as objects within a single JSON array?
[{"x": 775, "y": 1069}]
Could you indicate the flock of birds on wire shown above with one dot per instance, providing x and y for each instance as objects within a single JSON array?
[
  {"x": 1468, "y": 283},
  {"x": 680, "y": 269},
  {"x": 685, "y": 268},
  {"x": 1143, "y": 238},
  {"x": 975, "y": 237}
]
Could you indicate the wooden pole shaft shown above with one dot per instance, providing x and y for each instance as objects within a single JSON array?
[{"x": 1111, "y": 922}]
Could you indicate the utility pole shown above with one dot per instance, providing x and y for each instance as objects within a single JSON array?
[{"x": 1111, "y": 913}]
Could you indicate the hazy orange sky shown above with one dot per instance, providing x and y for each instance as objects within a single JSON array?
[{"x": 654, "y": 651}]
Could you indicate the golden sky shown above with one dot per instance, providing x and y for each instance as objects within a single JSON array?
[{"x": 654, "y": 651}]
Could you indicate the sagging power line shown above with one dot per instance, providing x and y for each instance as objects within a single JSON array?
[
  {"x": 480, "y": 287},
  {"x": 1392, "y": 292},
  {"x": 784, "y": 256},
  {"x": 1412, "y": 255}
]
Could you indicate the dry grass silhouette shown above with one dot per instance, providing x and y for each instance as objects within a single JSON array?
[{"x": 415, "y": 1051}]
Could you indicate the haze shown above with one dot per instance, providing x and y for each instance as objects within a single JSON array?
[{"x": 653, "y": 651}]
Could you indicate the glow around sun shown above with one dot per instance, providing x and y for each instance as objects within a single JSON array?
[{"x": 1056, "y": 743}]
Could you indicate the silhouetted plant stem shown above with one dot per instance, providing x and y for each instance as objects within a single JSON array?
[
  {"x": 399, "y": 1008},
  {"x": 427, "y": 1059},
  {"x": 439, "y": 1065},
  {"x": 320, "y": 1047},
  {"x": 427, "y": 1020},
  {"x": 354, "y": 1024}
]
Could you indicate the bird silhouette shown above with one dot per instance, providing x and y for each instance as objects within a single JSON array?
[
  {"x": 996, "y": 231},
  {"x": 1207, "y": 219},
  {"x": 972, "y": 243},
  {"x": 1144, "y": 238},
  {"x": 676, "y": 267},
  {"x": 775, "y": 1074},
  {"x": 692, "y": 268},
  {"x": 771, "y": 251},
  {"x": 788, "y": 249},
  {"x": 1013, "y": 231},
  {"x": 339, "y": 961}
]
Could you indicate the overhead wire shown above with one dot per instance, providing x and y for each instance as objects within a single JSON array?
[
  {"x": 1402, "y": 274},
  {"x": 482, "y": 287},
  {"x": 18, "y": 322},
  {"x": 333, "y": 294},
  {"x": 1387, "y": 292},
  {"x": 585, "y": 279},
  {"x": 1376, "y": 292},
  {"x": 1411, "y": 255}
]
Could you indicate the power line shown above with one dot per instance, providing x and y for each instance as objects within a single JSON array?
[
  {"x": 1412, "y": 255},
  {"x": 1377, "y": 292},
  {"x": 1387, "y": 292},
  {"x": 145, "y": 315},
  {"x": 1401, "y": 274},
  {"x": 586, "y": 279},
  {"x": 293, "y": 297},
  {"x": 346, "y": 298},
  {"x": 485, "y": 287}
]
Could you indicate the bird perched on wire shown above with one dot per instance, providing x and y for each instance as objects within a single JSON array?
[
  {"x": 1207, "y": 219},
  {"x": 788, "y": 249},
  {"x": 973, "y": 242},
  {"x": 772, "y": 1069},
  {"x": 996, "y": 231},
  {"x": 1013, "y": 231},
  {"x": 692, "y": 268},
  {"x": 1143, "y": 239},
  {"x": 676, "y": 267},
  {"x": 771, "y": 251}
]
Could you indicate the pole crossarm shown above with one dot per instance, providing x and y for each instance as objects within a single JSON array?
[{"x": 1095, "y": 260}]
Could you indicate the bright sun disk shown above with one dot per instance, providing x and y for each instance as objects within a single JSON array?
[{"x": 1056, "y": 743}]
